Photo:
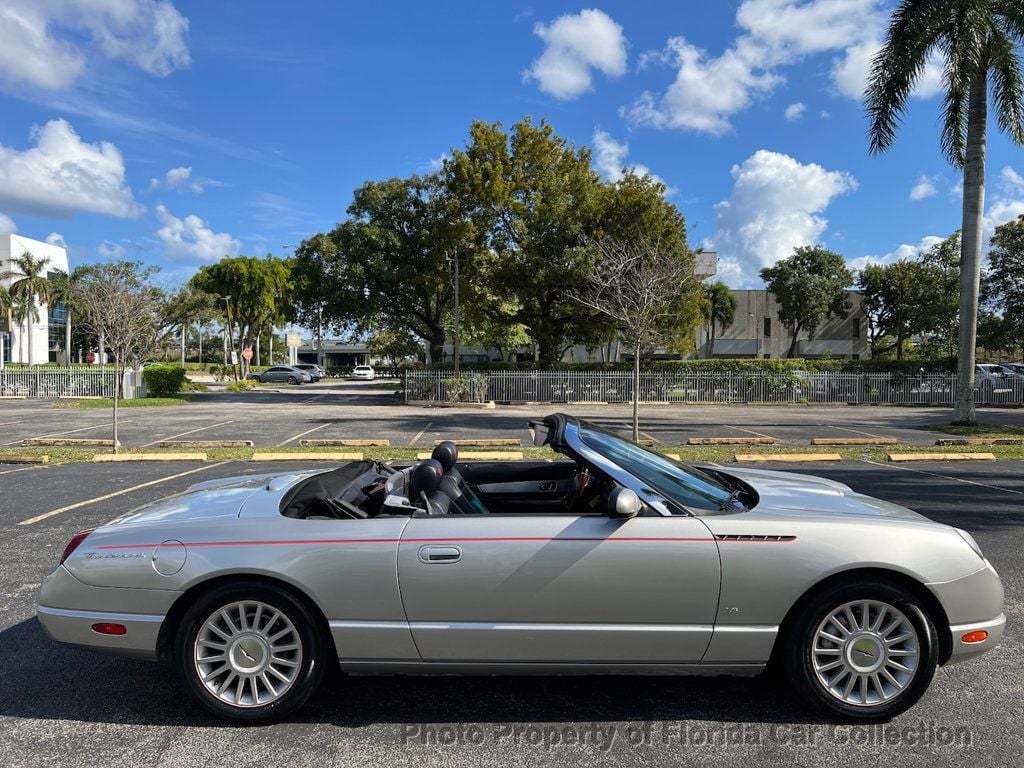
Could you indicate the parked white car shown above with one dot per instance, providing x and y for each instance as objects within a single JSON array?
[{"x": 363, "y": 372}]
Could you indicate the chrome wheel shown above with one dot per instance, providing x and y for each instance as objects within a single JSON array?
[
  {"x": 865, "y": 652},
  {"x": 248, "y": 654}
]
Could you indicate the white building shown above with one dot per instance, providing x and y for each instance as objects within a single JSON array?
[{"x": 48, "y": 332}]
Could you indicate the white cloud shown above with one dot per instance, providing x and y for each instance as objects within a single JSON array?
[
  {"x": 775, "y": 206},
  {"x": 48, "y": 43},
  {"x": 923, "y": 189},
  {"x": 190, "y": 238},
  {"x": 904, "y": 251},
  {"x": 181, "y": 178},
  {"x": 7, "y": 225},
  {"x": 110, "y": 251},
  {"x": 708, "y": 91},
  {"x": 56, "y": 238},
  {"x": 62, "y": 175},
  {"x": 610, "y": 160},
  {"x": 1011, "y": 180},
  {"x": 795, "y": 111},
  {"x": 177, "y": 176},
  {"x": 575, "y": 45},
  {"x": 1001, "y": 211}
]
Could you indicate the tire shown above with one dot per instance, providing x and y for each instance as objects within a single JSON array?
[
  {"x": 292, "y": 380},
  {"x": 282, "y": 673},
  {"x": 810, "y": 660}
]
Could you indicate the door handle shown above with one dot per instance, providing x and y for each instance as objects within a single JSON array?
[
  {"x": 550, "y": 485},
  {"x": 432, "y": 555}
]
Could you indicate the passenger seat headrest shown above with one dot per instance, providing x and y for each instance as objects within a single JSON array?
[
  {"x": 426, "y": 477},
  {"x": 446, "y": 454}
]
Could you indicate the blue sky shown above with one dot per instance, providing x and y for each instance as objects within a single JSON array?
[{"x": 175, "y": 133}]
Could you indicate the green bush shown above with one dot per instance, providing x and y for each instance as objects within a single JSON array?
[
  {"x": 241, "y": 385},
  {"x": 164, "y": 380},
  {"x": 787, "y": 365}
]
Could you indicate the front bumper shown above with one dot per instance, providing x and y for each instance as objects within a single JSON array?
[
  {"x": 962, "y": 650},
  {"x": 972, "y": 603}
]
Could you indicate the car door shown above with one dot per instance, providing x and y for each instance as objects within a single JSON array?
[
  {"x": 507, "y": 486},
  {"x": 559, "y": 588}
]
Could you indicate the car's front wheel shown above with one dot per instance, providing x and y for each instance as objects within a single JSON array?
[
  {"x": 250, "y": 652},
  {"x": 865, "y": 651}
]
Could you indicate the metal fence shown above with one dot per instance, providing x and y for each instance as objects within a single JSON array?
[
  {"x": 702, "y": 387},
  {"x": 47, "y": 382}
]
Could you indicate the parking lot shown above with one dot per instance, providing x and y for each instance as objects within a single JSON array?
[{"x": 62, "y": 706}]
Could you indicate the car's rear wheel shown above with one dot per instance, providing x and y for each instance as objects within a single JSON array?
[
  {"x": 292, "y": 380},
  {"x": 250, "y": 652},
  {"x": 865, "y": 651}
]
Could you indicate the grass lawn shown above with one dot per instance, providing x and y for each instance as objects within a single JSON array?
[
  {"x": 980, "y": 430},
  {"x": 135, "y": 402}
]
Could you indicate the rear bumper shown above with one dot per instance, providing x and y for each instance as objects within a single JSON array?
[{"x": 74, "y": 628}]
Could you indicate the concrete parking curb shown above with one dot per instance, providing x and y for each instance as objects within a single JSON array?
[
  {"x": 488, "y": 406},
  {"x": 732, "y": 440},
  {"x": 206, "y": 443},
  {"x": 309, "y": 456},
  {"x": 981, "y": 441},
  {"x": 345, "y": 443},
  {"x": 13, "y": 459},
  {"x": 482, "y": 455},
  {"x": 101, "y": 458},
  {"x": 485, "y": 442},
  {"x": 942, "y": 457},
  {"x": 787, "y": 457},
  {"x": 69, "y": 442},
  {"x": 854, "y": 441}
]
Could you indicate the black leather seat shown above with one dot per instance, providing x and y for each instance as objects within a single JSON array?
[
  {"x": 424, "y": 488},
  {"x": 453, "y": 484}
]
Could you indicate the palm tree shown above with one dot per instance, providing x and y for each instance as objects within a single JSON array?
[
  {"x": 978, "y": 41},
  {"x": 719, "y": 309},
  {"x": 5, "y": 308},
  {"x": 30, "y": 284},
  {"x": 63, "y": 288}
]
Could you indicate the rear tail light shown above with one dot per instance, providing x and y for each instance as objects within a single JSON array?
[
  {"x": 107, "y": 628},
  {"x": 76, "y": 540}
]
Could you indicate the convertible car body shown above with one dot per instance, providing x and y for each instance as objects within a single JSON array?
[{"x": 615, "y": 560}]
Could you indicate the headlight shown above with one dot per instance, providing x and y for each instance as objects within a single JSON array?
[{"x": 970, "y": 542}]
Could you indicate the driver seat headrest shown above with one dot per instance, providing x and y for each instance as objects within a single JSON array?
[
  {"x": 446, "y": 454},
  {"x": 426, "y": 478}
]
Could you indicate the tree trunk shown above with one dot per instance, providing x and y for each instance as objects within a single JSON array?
[
  {"x": 436, "y": 346},
  {"x": 67, "y": 334},
  {"x": 182, "y": 345},
  {"x": 548, "y": 350},
  {"x": 636, "y": 392},
  {"x": 117, "y": 397},
  {"x": 28, "y": 325},
  {"x": 792, "y": 343},
  {"x": 970, "y": 246},
  {"x": 103, "y": 347}
]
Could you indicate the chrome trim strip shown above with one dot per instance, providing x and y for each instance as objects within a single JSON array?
[
  {"x": 747, "y": 628},
  {"x": 68, "y": 613},
  {"x": 542, "y": 627},
  {"x": 346, "y": 624}
]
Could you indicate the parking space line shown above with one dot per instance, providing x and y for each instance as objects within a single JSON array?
[
  {"x": 106, "y": 424},
  {"x": 190, "y": 432},
  {"x": 855, "y": 431},
  {"x": 121, "y": 492},
  {"x": 943, "y": 477},
  {"x": 301, "y": 434},
  {"x": 652, "y": 438},
  {"x": 750, "y": 432},
  {"x": 420, "y": 434},
  {"x": 19, "y": 469},
  {"x": 310, "y": 400}
]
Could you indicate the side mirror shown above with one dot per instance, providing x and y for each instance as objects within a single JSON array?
[{"x": 623, "y": 503}]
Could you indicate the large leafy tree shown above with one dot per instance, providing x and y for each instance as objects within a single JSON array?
[
  {"x": 30, "y": 287},
  {"x": 259, "y": 292},
  {"x": 63, "y": 289},
  {"x": 718, "y": 309},
  {"x": 1004, "y": 280},
  {"x": 534, "y": 203},
  {"x": 389, "y": 265},
  {"x": 810, "y": 286},
  {"x": 979, "y": 42}
]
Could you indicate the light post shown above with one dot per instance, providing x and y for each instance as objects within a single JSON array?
[{"x": 229, "y": 335}]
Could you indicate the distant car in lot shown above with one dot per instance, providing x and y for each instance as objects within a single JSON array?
[
  {"x": 616, "y": 559},
  {"x": 282, "y": 374},
  {"x": 315, "y": 371},
  {"x": 364, "y": 372}
]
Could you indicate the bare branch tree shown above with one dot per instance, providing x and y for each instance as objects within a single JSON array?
[
  {"x": 643, "y": 288},
  {"x": 119, "y": 305}
]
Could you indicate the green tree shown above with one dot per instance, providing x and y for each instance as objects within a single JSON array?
[
  {"x": 810, "y": 286},
  {"x": 1004, "y": 280},
  {"x": 979, "y": 42},
  {"x": 719, "y": 308},
  {"x": 63, "y": 289},
  {"x": 6, "y": 307},
  {"x": 188, "y": 307},
  {"x": 395, "y": 346},
  {"x": 30, "y": 287},
  {"x": 259, "y": 292},
  {"x": 532, "y": 200}
]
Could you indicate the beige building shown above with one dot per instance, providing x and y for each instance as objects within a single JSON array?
[{"x": 757, "y": 333}]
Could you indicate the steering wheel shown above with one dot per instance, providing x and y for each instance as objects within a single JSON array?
[{"x": 577, "y": 486}]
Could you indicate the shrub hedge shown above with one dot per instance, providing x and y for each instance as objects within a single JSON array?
[
  {"x": 163, "y": 380},
  {"x": 786, "y": 365}
]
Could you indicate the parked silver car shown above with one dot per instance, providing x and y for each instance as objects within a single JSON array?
[
  {"x": 315, "y": 371},
  {"x": 616, "y": 560},
  {"x": 284, "y": 374}
]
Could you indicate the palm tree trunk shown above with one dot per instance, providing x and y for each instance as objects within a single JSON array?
[
  {"x": 67, "y": 335},
  {"x": 970, "y": 245},
  {"x": 28, "y": 326}
]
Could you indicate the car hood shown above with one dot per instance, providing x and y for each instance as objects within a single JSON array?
[{"x": 792, "y": 494}]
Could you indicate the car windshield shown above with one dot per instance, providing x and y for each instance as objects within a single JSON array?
[{"x": 688, "y": 485}]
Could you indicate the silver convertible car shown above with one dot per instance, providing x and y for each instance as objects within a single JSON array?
[{"x": 616, "y": 560}]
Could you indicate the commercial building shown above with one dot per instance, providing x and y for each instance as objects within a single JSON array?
[{"x": 47, "y": 328}]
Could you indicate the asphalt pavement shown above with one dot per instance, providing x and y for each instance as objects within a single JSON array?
[{"x": 60, "y": 706}]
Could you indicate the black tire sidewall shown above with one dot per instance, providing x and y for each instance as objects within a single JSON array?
[
  {"x": 799, "y": 639},
  {"x": 292, "y": 380},
  {"x": 311, "y": 670}
]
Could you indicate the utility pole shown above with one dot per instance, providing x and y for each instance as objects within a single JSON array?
[
  {"x": 457, "y": 345},
  {"x": 320, "y": 335},
  {"x": 230, "y": 334}
]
